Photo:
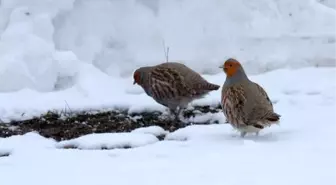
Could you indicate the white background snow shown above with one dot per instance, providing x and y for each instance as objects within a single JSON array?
[{"x": 82, "y": 53}]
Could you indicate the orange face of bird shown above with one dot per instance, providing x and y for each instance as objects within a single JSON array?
[
  {"x": 136, "y": 77},
  {"x": 230, "y": 67}
]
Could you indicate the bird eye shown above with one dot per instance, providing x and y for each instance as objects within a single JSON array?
[{"x": 230, "y": 65}]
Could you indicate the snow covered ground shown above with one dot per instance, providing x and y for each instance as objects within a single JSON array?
[
  {"x": 301, "y": 151},
  {"x": 80, "y": 54}
]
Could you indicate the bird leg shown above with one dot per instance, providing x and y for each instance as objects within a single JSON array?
[
  {"x": 174, "y": 114},
  {"x": 257, "y": 133},
  {"x": 177, "y": 113},
  {"x": 242, "y": 134}
]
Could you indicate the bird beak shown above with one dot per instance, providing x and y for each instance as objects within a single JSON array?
[
  {"x": 222, "y": 66},
  {"x": 134, "y": 82}
]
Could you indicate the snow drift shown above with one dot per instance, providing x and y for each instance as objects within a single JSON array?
[{"x": 44, "y": 43}]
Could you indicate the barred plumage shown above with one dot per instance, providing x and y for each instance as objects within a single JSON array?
[
  {"x": 245, "y": 104},
  {"x": 168, "y": 83},
  {"x": 233, "y": 100},
  {"x": 173, "y": 84}
]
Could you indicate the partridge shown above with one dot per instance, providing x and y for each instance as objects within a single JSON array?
[
  {"x": 245, "y": 104},
  {"x": 172, "y": 85}
]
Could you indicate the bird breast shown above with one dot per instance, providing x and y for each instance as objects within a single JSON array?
[
  {"x": 226, "y": 106},
  {"x": 231, "y": 111}
]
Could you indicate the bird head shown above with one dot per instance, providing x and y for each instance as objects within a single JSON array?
[
  {"x": 231, "y": 66},
  {"x": 141, "y": 75},
  {"x": 137, "y": 75}
]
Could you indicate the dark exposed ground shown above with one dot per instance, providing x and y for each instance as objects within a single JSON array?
[
  {"x": 53, "y": 125},
  {"x": 4, "y": 154}
]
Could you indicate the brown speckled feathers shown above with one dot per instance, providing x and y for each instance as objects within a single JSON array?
[
  {"x": 263, "y": 93},
  {"x": 173, "y": 84},
  {"x": 245, "y": 104},
  {"x": 166, "y": 82},
  {"x": 241, "y": 108},
  {"x": 233, "y": 101},
  {"x": 191, "y": 78}
]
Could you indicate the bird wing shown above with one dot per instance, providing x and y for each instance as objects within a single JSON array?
[
  {"x": 263, "y": 93},
  {"x": 192, "y": 79},
  {"x": 233, "y": 102},
  {"x": 168, "y": 83},
  {"x": 262, "y": 109}
]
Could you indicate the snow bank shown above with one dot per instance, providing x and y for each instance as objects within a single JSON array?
[
  {"x": 109, "y": 141},
  {"x": 27, "y": 52},
  {"x": 25, "y": 143},
  {"x": 44, "y": 43},
  {"x": 154, "y": 130},
  {"x": 118, "y": 36}
]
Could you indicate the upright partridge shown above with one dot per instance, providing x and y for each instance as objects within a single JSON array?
[{"x": 245, "y": 104}]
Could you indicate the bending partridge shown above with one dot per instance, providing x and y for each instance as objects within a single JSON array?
[
  {"x": 173, "y": 85},
  {"x": 245, "y": 104}
]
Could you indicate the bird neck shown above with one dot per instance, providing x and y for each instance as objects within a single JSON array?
[
  {"x": 239, "y": 76},
  {"x": 144, "y": 71}
]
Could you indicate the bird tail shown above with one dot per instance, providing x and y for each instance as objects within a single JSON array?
[
  {"x": 270, "y": 118},
  {"x": 273, "y": 117}
]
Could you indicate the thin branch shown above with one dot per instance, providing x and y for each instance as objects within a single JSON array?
[
  {"x": 167, "y": 55},
  {"x": 68, "y": 108},
  {"x": 165, "y": 50}
]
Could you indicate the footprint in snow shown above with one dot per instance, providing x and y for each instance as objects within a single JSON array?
[{"x": 291, "y": 92}]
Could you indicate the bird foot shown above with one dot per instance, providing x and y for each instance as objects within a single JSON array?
[
  {"x": 242, "y": 134},
  {"x": 174, "y": 116},
  {"x": 178, "y": 121}
]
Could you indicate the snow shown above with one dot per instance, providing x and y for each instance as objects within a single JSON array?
[
  {"x": 25, "y": 143},
  {"x": 80, "y": 55},
  {"x": 301, "y": 150},
  {"x": 154, "y": 130},
  {"x": 267, "y": 32},
  {"x": 212, "y": 158},
  {"x": 109, "y": 141},
  {"x": 27, "y": 103}
]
